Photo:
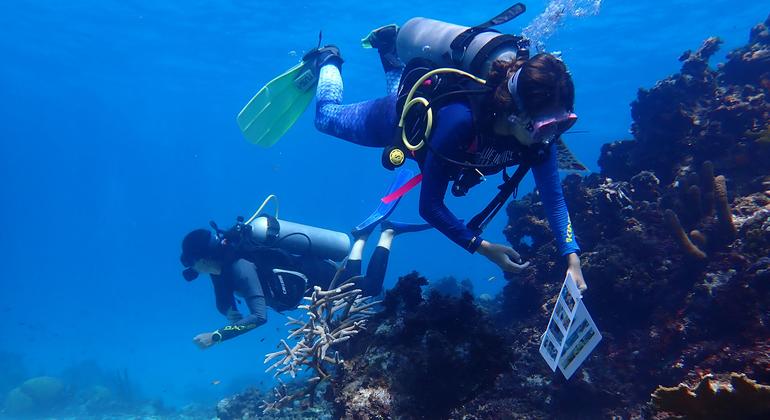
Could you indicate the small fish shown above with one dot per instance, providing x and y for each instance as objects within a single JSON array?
[
  {"x": 263, "y": 339},
  {"x": 216, "y": 382},
  {"x": 491, "y": 279}
]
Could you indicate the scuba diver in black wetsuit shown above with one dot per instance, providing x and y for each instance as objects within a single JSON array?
[{"x": 279, "y": 274}]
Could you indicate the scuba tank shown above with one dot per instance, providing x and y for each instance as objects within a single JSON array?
[
  {"x": 442, "y": 58},
  {"x": 472, "y": 49},
  {"x": 299, "y": 239},
  {"x": 267, "y": 231}
]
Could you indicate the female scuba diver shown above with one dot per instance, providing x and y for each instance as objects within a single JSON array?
[
  {"x": 279, "y": 272},
  {"x": 469, "y": 103}
]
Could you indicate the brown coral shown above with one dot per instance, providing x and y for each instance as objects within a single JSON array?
[
  {"x": 684, "y": 241},
  {"x": 716, "y": 397},
  {"x": 724, "y": 214},
  {"x": 701, "y": 194}
]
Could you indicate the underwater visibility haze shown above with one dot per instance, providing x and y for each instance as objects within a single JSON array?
[{"x": 118, "y": 137}]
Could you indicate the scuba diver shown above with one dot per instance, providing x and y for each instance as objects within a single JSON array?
[
  {"x": 272, "y": 262},
  {"x": 470, "y": 102}
]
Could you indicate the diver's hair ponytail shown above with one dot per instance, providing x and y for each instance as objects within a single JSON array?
[{"x": 544, "y": 83}]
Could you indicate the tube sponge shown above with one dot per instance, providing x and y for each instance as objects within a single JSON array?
[
  {"x": 724, "y": 214},
  {"x": 676, "y": 227}
]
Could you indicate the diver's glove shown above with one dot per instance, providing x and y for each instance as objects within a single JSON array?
[{"x": 319, "y": 57}]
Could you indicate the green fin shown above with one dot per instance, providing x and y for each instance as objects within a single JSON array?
[
  {"x": 567, "y": 160},
  {"x": 278, "y": 105}
]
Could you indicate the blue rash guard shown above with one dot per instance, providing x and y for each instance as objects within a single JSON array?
[{"x": 451, "y": 136}]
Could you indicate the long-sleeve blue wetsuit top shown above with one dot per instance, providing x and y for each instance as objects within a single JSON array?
[{"x": 452, "y": 134}]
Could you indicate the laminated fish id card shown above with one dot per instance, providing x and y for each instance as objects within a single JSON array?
[{"x": 571, "y": 334}]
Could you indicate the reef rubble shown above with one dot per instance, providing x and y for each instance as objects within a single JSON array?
[{"x": 675, "y": 238}]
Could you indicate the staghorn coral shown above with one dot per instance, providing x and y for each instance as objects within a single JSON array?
[
  {"x": 334, "y": 317},
  {"x": 715, "y": 397}
]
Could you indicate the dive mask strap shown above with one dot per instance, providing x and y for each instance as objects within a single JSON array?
[{"x": 513, "y": 89}]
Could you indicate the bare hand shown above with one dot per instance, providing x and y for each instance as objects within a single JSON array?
[
  {"x": 204, "y": 341},
  {"x": 504, "y": 256},
  {"x": 576, "y": 272}
]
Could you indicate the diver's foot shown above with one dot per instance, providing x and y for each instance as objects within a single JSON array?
[
  {"x": 319, "y": 57},
  {"x": 367, "y": 226},
  {"x": 382, "y": 38},
  {"x": 399, "y": 228}
]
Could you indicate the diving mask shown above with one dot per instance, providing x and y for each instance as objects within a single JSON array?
[{"x": 544, "y": 129}]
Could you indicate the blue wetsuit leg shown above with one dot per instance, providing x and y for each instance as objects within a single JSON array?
[{"x": 369, "y": 123}]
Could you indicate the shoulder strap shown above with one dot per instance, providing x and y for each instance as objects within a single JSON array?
[
  {"x": 463, "y": 40},
  {"x": 507, "y": 189}
]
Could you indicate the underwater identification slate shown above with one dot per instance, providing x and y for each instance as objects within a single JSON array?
[{"x": 571, "y": 334}]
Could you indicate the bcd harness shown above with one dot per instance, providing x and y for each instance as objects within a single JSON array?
[
  {"x": 278, "y": 271},
  {"x": 424, "y": 87}
]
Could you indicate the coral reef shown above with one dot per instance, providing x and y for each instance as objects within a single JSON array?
[
  {"x": 248, "y": 405},
  {"x": 426, "y": 357},
  {"x": 675, "y": 257},
  {"x": 701, "y": 195},
  {"x": 85, "y": 391},
  {"x": 675, "y": 238},
  {"x": 702, "y": 114},
  {"x": 36, "y": 396},
  {"x": 716, "y": 397},
  {"x": 13, "y": 371}
]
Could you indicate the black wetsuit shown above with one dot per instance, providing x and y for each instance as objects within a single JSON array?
[{"x": 247, "y": 280}]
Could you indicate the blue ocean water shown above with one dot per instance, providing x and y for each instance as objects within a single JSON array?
[{"x": 118, "y": 136}]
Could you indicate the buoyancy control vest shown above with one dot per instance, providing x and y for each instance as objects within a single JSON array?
[{"x": 447, "y": 62}]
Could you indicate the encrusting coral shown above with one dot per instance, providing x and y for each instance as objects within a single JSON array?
[{"x": 716, "y": 397}]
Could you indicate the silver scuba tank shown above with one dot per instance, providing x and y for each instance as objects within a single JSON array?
[
  {"x": 472, "y": 49},
  {"x": 300, "y": 239}
]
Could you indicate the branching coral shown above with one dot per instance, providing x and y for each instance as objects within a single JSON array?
[
  {"x": 333, "y": 317},
  {"x": 735, "y": 396}
]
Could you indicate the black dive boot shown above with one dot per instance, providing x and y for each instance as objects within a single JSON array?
[
  {"x": 319, "y": 57},
  {"x": 383, "y": 39}
]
